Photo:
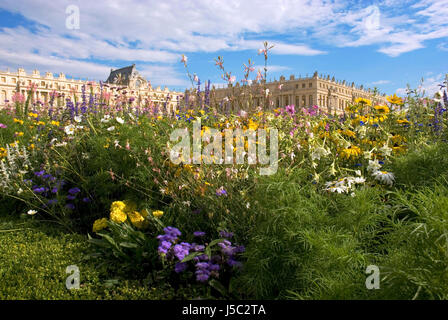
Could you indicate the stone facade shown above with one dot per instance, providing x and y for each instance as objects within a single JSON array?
[
  {"x": 127, "y": 79},
  {"x": 329, "y": 94}
]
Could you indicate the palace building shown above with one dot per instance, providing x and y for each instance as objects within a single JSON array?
[
  {"x": 125, "y": 79},
  {"x": 329, "y": 94}
]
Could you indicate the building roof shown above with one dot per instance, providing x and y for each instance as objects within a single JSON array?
[{"x": 125, "y": 74}]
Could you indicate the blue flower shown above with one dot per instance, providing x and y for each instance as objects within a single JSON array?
[
  {"x": 74, "y": 190},
  {"x": 199, "y": 233},
  {"x": 39, "y": 173},
  {"x": 180, "y": 267}
]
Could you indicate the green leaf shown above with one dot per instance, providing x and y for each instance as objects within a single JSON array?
[
  {"x": 219, "y": 287},
  {"x": 191, "y": 256},
  {"x": 128, "y": 245}
]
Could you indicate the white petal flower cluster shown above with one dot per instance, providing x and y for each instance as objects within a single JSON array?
[{"x": 344, "y": 185}]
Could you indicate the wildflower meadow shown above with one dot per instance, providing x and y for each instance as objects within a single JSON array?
[{"x": 364, "y": 188}]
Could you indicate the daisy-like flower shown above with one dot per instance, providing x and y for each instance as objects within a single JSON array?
[
  {"x": 70, "y": 129},
  {"x": 31, "y": 212},
  {"x": 106, "y": 118},
  {"x": 384, "y": 177},
  {"x": 119, "y": 120},
  {"x": 111, "y": 128},
  {"x": 78, "y": 119}
]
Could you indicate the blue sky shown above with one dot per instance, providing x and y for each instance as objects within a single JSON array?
[{"x": 386, "y": 44}]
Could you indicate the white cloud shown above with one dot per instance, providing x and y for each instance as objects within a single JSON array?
[
  {"x": 379, "y": 82},
  {"x": 429, "y": 86},
  {"x": 158, "y": 32}
]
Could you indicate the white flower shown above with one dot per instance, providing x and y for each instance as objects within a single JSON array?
[
  {"x": 373, "y": 166},
  {"x": 267, "y": 92},
  {"x": 19, "y": 191},
  {"x": 78, "y": 118},
  {"x": 70, "y": 129},
  {"x": 32, "y": 212},
  {"x": 384, "y": 177},
  {"x": 62, "y": 144},
  {"x": 111, "y": 128},
  {"x": 386, "y": 150},
  {"x": 318, "y": 153},
  {"x": 119, "y": 120},
  {"x": 106, "y": 118}
]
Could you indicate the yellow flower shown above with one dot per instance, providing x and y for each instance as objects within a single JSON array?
[
  {"x": 3, "y": 152},
  {"x": 157, "y": 213},
  {"x": 32, "y": 146},
  {"x": 137, "y": 219},
  {"x": 363, "y": 101},
  {"x": 402, "y": 121},
  {"x": 118, "y": 216},
  {"x": 19, "y": 134},
  {"x": 54, "y": 123},
  {"x": 117, "y": 205},
  {"x": 349, "y": 133},
  {"x": 351, "y": 152},
  {"x": 99, "y": 224},
  {"x": 382, "y": 109},
  {"x": 34, "y": 115},
  {"x": 18, "y": 121},
  {"x": 253, "y": 125},
  {"x": 395, "y": 99}
]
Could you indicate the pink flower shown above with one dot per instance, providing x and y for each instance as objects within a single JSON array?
[
  {"x": 259, "y": 76},
  {"x": 3, "y": 126},
  {"x": 184, "y": 59},
  {"x": 280, "y": 86},
  {"x": 232, "y": 79}
]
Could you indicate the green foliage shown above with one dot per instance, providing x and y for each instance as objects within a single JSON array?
[{"x": 34, "y": 256}]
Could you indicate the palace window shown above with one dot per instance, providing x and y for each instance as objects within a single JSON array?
[
  {"x": 311, "y": 84},
  {"x": 3, "y": 79},
  {"x": 303, "y": 85},
  {"x": 311, "y": 100}
]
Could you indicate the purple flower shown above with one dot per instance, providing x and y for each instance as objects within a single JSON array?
[
  {"x": 202, "y": 276},
  {"x": 198, "y": 247},
  {"x": 74, "y": 190},
  {"x": 199, "y": 233},
  {"x": 52, "y": 201},
  {"x": 54, "y": 190},
  {"x": 39, "y": 173},
  {"x": 86, "y": 200},
  {"x": 164, "y": 247},
  {"x": 70, "y": 206},
  {"x": 221, "y": 192},
  {"x": 225, "y": 234},
  {"x": 182, "y": 250},
  {"x": 39, "y": 190},
  {"x": 70, "y": 197},
  {"x": 233, "y": 263},
  {"x": 3, "y": 126},
  {"x": 290, "y": 109},
  {"x": 180, "y": 267}
]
